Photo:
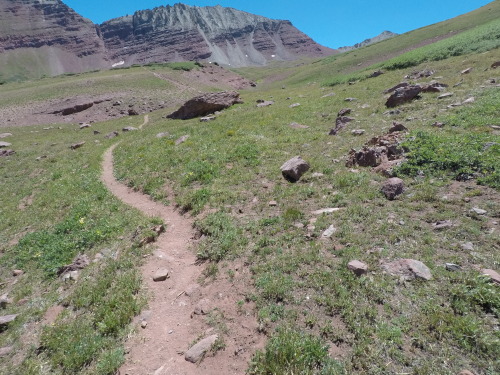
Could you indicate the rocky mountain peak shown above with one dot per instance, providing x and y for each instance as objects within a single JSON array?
[{"x": 382, "y": 36}]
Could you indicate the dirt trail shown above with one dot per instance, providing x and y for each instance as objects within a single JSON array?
[{"x": 171, "y": 328}]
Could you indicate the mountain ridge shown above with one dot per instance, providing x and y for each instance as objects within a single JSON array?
[{"x": 48, "y": 37}]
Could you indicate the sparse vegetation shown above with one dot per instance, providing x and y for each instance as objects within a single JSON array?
[{"x": 319, "y": 317}]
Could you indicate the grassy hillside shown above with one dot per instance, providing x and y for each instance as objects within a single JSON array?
[{"x": 319, "y": 317}]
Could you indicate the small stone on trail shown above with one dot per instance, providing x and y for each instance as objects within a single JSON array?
[
  {"x": 273, "y": 204},
  {"x": 392, "y": 188},
  {"x": 182, "y": 139},
  {"x": 203, "y": 307},
  {"x": 492, "y": 274},
  {"x": 357, "y": 267},
  {"x": 479, "y": 211},
  {"x": 198, "y": 351},
  {"x": 144, "y": 324},
  {"x": 161, "y": 275},
  {"x": 293, "y": 169}
]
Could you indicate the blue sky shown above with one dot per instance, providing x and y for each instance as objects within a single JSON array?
[{"x": 333, "y": 23}]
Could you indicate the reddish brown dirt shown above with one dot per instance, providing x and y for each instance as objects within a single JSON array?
[{"x": 171, "y": 328}]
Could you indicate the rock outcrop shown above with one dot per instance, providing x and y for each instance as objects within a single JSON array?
[
  {"x": 382, "y": 36},
  {"x": 49, "y": 33},
  {"x": 217, "y": 34}
]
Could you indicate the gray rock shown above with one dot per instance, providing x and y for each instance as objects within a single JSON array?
[
  {"x": 6, "y": 319},
  {"x": 350, "y": 99},
  {"x": 326, "y": 211},
  {"x": 445, "y": 95},
  {"x": 196, "y": 353},
  {"x": 162, "y": 135},
  {"x": 293, "y": 169},
  {"x": 207, "y": 118},
  {"x": 203, "y": 307},
  {"x": 112, "y": 135},
  {"x": 5, "y": 301},
  {"x": 469, "y": 101},
  {"x": 392, "y": 188},
  {"x": 479, "y": 211},
  {"x": 442, "y": 224},
  {"x": 357, "y": 267},
  {"x": 469, "y": 246},
  {"x": 466, "y": 71},
  {"x": 129, "y": 129},
  {"x": 17, "y": 273},
  {"x": 77, "y": 145},
  {"x": 453, "y": 267},
  {"x": 7, "y": 153},
  {"x": 5, "y": 144},
  {"x": 5, "y": 351},
  {"x": 161, "y": 275},
  {"x": 264, "y": 103},
  {"x": 182, "y": 139},
  {"x": 408, "y": 269},
  {"x": 85, "y": 126},
  {"x": 294, "y": 105},
  {"x": 329, "y": 232},
  {"x": 5, "y": 135},
  {"x": 358, "y": 132}
]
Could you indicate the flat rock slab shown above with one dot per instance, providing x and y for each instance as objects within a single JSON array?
[
  {"x": 5, "y": 144},
  {"x": 196, "y": 353},
  {"x": 5, "y": 135},
  {"x": 4, "y": 320},
  {"x": 403, "y": 95},
  {"x": 112, "y": 135},
  {"x": 408, "y": 269},
  {"x": 129, "y": 129},
  {"x": 265, "y": 103},
  {"x": 182, "y": 139},
  {"x": 74, "y": 146},
  {"x": 161, "y": 275}
]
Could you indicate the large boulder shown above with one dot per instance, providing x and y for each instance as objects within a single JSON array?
[
  {"x": 403, "y": 95},
  {"x": 294, "y": 168},
  {"x": 206, "y": 104}
]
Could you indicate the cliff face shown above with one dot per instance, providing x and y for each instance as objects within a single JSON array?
[
  {"x": 49, "y": 34},
  {"x": 40, "y": 37},
  {"x": 224, "y": 35}
]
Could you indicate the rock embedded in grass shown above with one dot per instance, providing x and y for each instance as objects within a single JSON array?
[
  {"x": 6, "y": 319},
  {"x": 408, "y": 269},
  {"x": 264, "y": 103},
  {"x": 392, "y": 188},
  {"x": 5, "y": 351},
  {"x": 479, "y": 211},
  {"x": 293, "y": 169},
  {"x": 492, "y": 274},
  {"x": 357, "y": 267},
  {"x": 182, "y": 139},
  {"x": 161, "y": 275},
  {"x": 403, "y": 95},
  {"x": 111, "y": 135},
  {"x": 196, "y": 353},
  {"x": 5, "y": 135},
  {"x": 5, "y": 144},
  {"x": 206, "y": 104},
  {"x": 129, "y": 129}
]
